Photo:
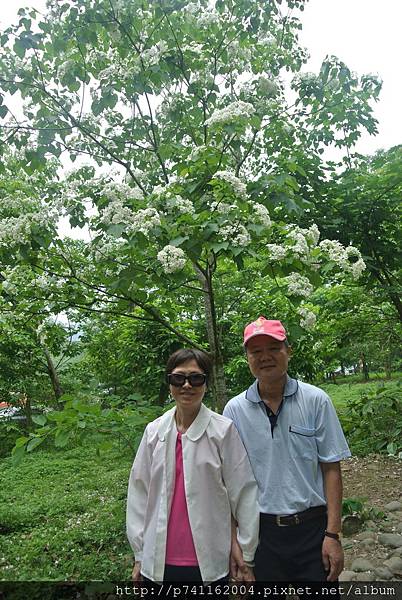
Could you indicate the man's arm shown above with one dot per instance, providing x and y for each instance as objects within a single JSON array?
[{"x": 332, "y": 551}]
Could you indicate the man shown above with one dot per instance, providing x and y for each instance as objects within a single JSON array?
[{"x": 295, "y": 442}]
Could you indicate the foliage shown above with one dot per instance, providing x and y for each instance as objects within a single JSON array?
[
  {"x": 204, "y": 163},
  {"x": 82, "y": 419},
  {"x": 362, "y": 206},
  {"x": 358, "y": 507},
  {"x": 67, "y": 520},
  {"x": 373, "y": 422}
]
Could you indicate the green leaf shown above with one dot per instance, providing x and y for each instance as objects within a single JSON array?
[
  {"x": 17, "y": 455},
  {"x": 62, "y": 438},
  {"x": 34, "y": 442},
  {"x": 39, "y": 419}
]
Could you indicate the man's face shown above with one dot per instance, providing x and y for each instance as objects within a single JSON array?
[{"x": 268, "y": 358}]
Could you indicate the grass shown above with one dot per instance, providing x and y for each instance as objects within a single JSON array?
[
  {"x": 62, "y": 512},
  {"x": 352, "y": 387},
  {"x": 62, "y": 516}
]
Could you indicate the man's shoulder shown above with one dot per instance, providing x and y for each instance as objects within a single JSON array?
[
  {"x": 312, "y": 392},
  {"x": 236, "y": 403}
]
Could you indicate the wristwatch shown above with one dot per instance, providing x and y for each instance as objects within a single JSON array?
[{"x": 334, "y": 536}]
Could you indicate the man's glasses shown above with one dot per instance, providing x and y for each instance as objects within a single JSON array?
[{"x": 194, "y": 379}]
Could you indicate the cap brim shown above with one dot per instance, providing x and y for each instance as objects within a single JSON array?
[{"x": 278, "y": 336}]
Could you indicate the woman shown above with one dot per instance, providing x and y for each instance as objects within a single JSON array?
[{"x": 190, "y": 474}]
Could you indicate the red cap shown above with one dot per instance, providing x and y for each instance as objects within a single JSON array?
[{"x": 263, "y": 326}]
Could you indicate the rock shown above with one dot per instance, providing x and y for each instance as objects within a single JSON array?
[
  {"x": 368, "y": 543},
  {"x": 348, "y": 576},
  {"x": 366, "y": 577},
  {"x": 361, "y": 565},
  {"x": 346, "y": 544},
  {"x": 393, "y": 540},
  {"x": 383, "y": 573},
  {"x": 351, "y": 524},
  {"x": 365, "y": 535},
  {"x": 399, "y": 528},
  {"x": 394, "y": 505},
  {"x": 396, "y": 552},
  {"x": 397, "y": 515},
  {"x": 394, "y": 564}
]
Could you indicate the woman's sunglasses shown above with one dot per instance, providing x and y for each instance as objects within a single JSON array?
[{"x": 194, "y": 379}]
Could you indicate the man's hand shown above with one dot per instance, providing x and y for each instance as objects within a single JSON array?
[
  {"x": 136, "y": 574},
  {"x": 239, "y": 571},
  {"x": 332, "y": 557}
]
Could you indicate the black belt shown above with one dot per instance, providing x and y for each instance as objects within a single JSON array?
[{"x": 296, "y": 519}]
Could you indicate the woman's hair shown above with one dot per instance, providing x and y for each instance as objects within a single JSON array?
[{"x": 184, "y": 354}]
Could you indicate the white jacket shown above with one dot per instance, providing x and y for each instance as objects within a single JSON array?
[{"x": 218, "y": 482}]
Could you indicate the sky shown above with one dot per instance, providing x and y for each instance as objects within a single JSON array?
[{"x": 365, "y": 34}]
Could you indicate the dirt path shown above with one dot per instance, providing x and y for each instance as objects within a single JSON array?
[{"x": 377, "y": 478}]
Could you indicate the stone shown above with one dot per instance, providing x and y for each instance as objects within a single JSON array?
[
  {"x": 368, "y": 543},
  {"x": 396, "y": 552},
  {"x": 347, "y": 544},
  {"x": 394, "y": 564},
  {"x": 361, "y": 565},
  {"x": 351, "y": 525},
  {"x": 392, "y": 540},
  {"x": 366, "y": 577},
  {"x": 399, "y": 528},
  {"x": 366, "y": 535},
  {"x": 383, "y": 573},
  {"x": 394, "y": 505},
  {"x": 348, "y": 576}
]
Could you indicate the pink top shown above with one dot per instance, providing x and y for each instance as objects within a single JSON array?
[{"x": 180, "y": 548}]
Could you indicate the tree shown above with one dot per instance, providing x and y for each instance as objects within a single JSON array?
[
  {"x": 187, "y": 102},
  {"x": 362, "y": 206}
]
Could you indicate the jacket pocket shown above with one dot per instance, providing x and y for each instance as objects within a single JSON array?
[{"x": 302, "y": 442}]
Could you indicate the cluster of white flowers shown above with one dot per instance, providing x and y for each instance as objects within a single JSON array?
[
  {"x": 193, "y": 47},
  {"x": 305, "y": 79},
  {"x": 262, "y": 214},
  {"x": 267, "y": 40},
  {"x": 268, "y": 87},
  {"x": 182, "y": 205},
  {"x": 115, "y": 191},
  {"x": 145, "y": 220},
  {"x": 308, "y": 318},
  {"x": 207, "y": 18},
  {"x": 221, "y": 207},
  {"x": 15, "y": 230},
  {"x": 65, "y": 67},
  {"x": 115, "y": 213},
  {"x": 276, "y": 252},
  {"x": 171, "y": 258},
  {"x": 197, "y": 152},
  {"x": 153, "y": 55},
  {"x": 236, "y": 234},
  {"x": 298, "y": 285},
  {"x": 349, "y": 259},
  {"x": 241, "y": 55},
  {"x": 231, "y": 113},
  {"x": 238, "y": 186},
  {"x": 299, "y": 243}
]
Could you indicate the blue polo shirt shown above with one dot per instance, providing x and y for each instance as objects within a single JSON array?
[{"x": 286, "y": 462}]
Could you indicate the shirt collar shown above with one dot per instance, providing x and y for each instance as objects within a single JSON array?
[
  {"x": 253, "y": 395},
  {"x": 196, "y": 429}
]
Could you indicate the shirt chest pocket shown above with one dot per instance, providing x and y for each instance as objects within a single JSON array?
[{"x": 302, "y": 442}]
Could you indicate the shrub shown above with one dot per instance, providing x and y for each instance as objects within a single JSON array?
[{"x": 373, "y": 421}]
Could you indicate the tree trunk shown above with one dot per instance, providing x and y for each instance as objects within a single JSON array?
[
  {"x": 54, "y": 376},
  {"x": 365, "y": 367},
  {"x": 219, "y": 390}
]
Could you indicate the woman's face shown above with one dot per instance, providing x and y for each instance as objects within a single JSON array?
[{"x": 188, "y": 396}]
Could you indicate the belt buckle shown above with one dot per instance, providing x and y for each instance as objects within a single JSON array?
[{"x": 278, "y": 521}]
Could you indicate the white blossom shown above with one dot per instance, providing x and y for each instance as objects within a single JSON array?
[
  {"x": 153, "y": 55},
  {"x": 171, "y": 258},
  {"x": 298, "y": 285},
  {"x": 268, "y": 87},
  {"x": 236, "y": 234},
  {"x": 349, "y": 259},
  {"x": 300, "y": 245},
  {"x": 114, "y": 191},
  {"x": 238, "y": 186},
  {"x": 181, "y": 204},
  {"x": 262, "y": 214},
  {"x": 145, "y": 220},
  {"x": 276, "y": 252},
  {"x": 231, "y": 113},
  {"x": 308, "y": 318},
  {"x": 221, "y": 207}
]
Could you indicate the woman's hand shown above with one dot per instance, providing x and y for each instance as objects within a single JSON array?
[{"x": 136, "y": 574}]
